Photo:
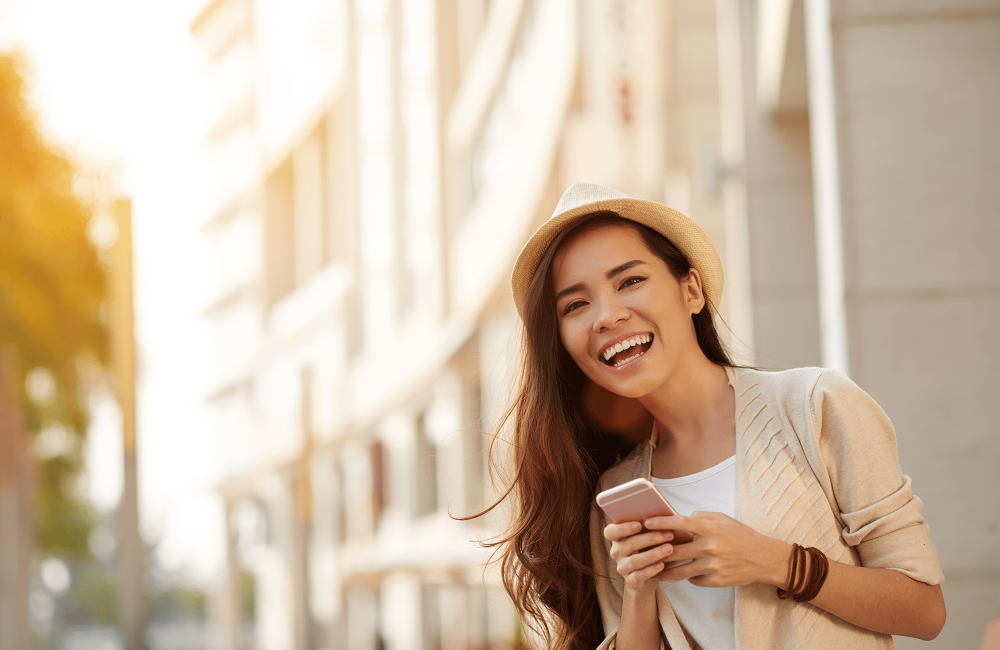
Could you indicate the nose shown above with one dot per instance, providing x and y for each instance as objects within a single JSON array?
[{"x": 612, "y": 312}]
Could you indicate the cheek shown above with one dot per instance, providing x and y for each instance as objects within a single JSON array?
[{"x": 573, "y": 340}]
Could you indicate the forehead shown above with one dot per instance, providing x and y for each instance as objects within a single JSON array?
[{"x": 597, "y": 249}]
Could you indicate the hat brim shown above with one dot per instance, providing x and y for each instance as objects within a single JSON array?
[{"x": 684, "y": 233}]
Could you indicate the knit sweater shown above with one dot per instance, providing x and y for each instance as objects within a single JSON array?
[{"x": 816, "y": 464}]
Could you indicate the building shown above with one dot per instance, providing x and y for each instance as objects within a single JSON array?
[{"x": 381, "y": 162}]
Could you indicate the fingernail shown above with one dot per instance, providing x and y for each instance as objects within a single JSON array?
[
  {"x": 666, "y": 548},
  {"x": 636, "y": 526},
  {"x": 668, "y": 536}
]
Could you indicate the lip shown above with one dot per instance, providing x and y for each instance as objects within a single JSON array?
[{"x": 624, "y": 337}]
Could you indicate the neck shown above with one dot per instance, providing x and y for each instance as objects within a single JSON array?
[{"x": 694, "y": 406}]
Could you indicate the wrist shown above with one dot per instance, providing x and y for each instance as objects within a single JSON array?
[
  {"x": 643, "y": 594},
  {"x": 776, "y": 567}
]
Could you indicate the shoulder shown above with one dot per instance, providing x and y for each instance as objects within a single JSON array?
[
  {"x": 824, "y": 407},
  {"x": 812, "y": 402},
  {"x": 798, "y": 385}
]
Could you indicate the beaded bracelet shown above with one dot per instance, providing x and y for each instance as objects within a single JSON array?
[{"x": 804, "y": 585}]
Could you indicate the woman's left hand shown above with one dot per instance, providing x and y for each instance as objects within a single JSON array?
[{"x": 724, "y": 552}]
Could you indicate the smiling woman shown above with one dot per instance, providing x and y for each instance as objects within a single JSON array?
[
  {"x": 788, "y": 482},
  {"x": 609, "y": 305}
]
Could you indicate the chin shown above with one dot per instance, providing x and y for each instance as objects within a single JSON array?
[
  {"x": 634, "y": 393},
  {"x": 633, "y": 389}
]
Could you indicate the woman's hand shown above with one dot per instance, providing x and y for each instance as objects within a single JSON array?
[
  {"x": 724, "y": 552},
  {"x": 640, "y": 556},
  {"x": 727, "y": 553}
]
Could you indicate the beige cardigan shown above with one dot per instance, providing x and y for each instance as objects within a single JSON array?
[{"x": 815, "y": 464}]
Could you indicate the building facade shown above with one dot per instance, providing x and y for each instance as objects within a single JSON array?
[{"x": 380, "y": 164}]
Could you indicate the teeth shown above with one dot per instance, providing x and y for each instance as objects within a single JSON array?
[
  {"x": 625, "y": 345},
  {"x": 624, "y": 361}
]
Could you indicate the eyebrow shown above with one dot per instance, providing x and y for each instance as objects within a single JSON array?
[{"x": 621, "y": 268}]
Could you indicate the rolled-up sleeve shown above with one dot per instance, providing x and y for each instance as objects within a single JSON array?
[{"x": 881, "y": 516}]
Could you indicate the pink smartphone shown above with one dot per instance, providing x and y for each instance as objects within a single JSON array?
[{"x": 638, "y": 500}]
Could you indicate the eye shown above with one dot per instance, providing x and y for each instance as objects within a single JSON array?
[
  {"x": 573, "y": 306},
  {"x": 628, "y": 282}
]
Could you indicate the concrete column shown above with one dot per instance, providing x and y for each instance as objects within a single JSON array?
[
  {"x": 778, "y": 179},
  {"x": 826, "y": 186},
  {"x": 738, "y": 296},
  {"x": 917, "y": 100}
]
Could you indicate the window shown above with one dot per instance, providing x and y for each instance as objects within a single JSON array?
[
  {"x": 339, "y": 503},
  {"x": 340, "y": 180},
  {"x": 476, "y": 475},
  {"x": 280, "y": 233},
  {"x": 380, "y": 477},
  {"x": 427, "y": 483},
  {"x": 309, "y": 178},
  {"x": 297, "y": 239}
]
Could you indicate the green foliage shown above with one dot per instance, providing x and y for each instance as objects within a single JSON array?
[
  {"x": 52, "y": 291},
  {"x": 94, "y": 597},
  {"x": 177, "y": 603},
  {"x": 62, "y": 523},
  {"x": 248, "y": 593}
]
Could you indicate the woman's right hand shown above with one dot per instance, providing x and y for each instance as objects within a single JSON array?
[{"x": 640, "y": 555}]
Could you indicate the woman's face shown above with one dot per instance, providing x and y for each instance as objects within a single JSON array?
[{"x": 623, "y": 317}]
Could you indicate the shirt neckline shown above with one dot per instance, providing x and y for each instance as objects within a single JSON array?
[{"x": 697, "y": 476}]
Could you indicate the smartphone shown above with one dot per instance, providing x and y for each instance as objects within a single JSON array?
[{"x": 638, "y": 500}]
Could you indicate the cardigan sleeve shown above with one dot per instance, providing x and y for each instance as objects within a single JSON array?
[{"x": 881, "y": 516}]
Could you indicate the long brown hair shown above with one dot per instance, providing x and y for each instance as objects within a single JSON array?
[{"x": 558, "y": 456}]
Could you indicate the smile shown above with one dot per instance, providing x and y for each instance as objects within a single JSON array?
[{"x": 625, "y": 351}]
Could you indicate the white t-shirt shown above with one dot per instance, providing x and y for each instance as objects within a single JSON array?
[{"x": 705, "y": 612}]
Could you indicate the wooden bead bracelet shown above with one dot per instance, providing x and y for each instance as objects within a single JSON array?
[{"x": 803, "y": 584}]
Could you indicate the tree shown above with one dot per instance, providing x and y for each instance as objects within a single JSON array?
[{"x": 52, "y": 336}]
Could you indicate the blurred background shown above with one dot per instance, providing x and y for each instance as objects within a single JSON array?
[{"x": 255, "y": 325}]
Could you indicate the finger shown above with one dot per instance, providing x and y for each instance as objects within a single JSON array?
[
  {"x": 707, "y": 581},
  {"x": 623, "y": 533},
  {"x": 641, "y": 561},
  {"x": 618, "y": 532},
  {"x": 638, "y": 543},
  {"x": 683, "y": 572},
  {"x": 667, "y": 566},
  {"x": 643, "y": 541},
  {"x": 648, "y": 573},
  {"x": 689, "y": 550},
  {"x": 665, "y": 522},
  {"x": 710, "y": 516},
  {"x": 677, "y": 522}
]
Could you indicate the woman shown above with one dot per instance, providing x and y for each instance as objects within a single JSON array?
[{"x": 806, "y": 535}]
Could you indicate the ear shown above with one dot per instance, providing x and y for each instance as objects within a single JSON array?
[{"x": 693, "y": 294}]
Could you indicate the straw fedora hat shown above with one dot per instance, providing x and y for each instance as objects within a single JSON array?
[{"x": 581, "y": 199}]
